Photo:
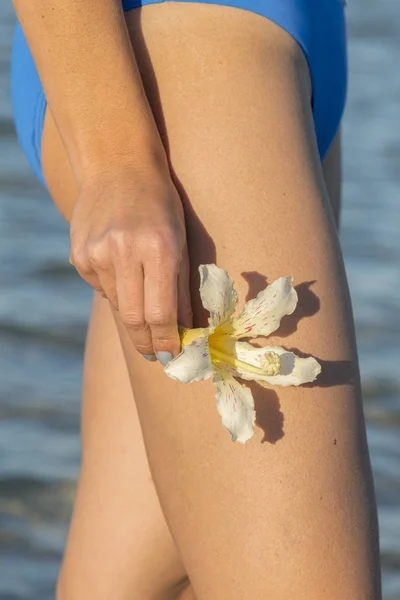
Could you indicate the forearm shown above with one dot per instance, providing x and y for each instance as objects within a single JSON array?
[{"x": 89, "y": 73}]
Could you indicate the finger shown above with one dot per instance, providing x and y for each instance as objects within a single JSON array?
[
  {"x": 185, "y": 313},
  {"x": 82, "y": 265},
  {"x": 130, "y": 294},
  {"x": 161, "y": 306},
  {"x": 101, "y": 264},
  {"x": 109, "y": 287}
]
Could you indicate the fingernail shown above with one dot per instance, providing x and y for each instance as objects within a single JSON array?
[
  {"x": 151, "y": 357},
  {"x": 164, "y": 357}
]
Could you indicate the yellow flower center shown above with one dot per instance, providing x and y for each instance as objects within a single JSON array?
[
  {"x": 220, "y": 346},
  {"x": 190, "y": 335}
]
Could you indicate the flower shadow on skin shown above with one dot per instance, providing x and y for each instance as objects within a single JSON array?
[
  {"x": 308, "y": 304},
  {"x": 269, "y": 416},
  {"x": 333, "y": 372}
]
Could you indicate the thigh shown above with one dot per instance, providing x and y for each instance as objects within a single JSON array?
[
  {"x": 283, "y": 519},
  {"x": 119, "y": 545}
]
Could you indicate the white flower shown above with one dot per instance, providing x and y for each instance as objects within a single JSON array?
[{"x": 216, "y": 351}]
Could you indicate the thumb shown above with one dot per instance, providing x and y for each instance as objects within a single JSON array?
[{"x": 185, "y": 314}]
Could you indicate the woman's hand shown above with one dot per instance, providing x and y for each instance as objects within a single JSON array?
[
  {"x": 127, "y": 231},
  {"x": 128, "y": 240}
]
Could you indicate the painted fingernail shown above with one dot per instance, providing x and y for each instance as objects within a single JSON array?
[
  {"x": 151, "y": 357},
  {"x": 164, "y": 357}
]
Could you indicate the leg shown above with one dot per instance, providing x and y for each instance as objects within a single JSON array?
[
  {"x": 119, "y": 545},
  {"x": 114, "y": 482},
  {"x": 241, "y": 145},
  {"x": 242, "y": 187},
  {"x": 97, "y": 532},
  {"x": 120, "y": 487}
]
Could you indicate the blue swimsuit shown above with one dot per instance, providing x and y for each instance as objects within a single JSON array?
[{"x": 318, "y": 26}]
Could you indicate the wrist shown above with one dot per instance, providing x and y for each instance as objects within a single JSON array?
[
  {"x": 144, "y": 160},
  {"x": 141, "y": 165}
]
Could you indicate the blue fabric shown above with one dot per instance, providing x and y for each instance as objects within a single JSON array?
[
  {"x": 28, "y": 101},
  {"x": 318, "y": 26}
]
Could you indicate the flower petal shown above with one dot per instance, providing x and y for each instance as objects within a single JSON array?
[
  {"x": 235, "y": 404},
  {"x": 263, "y": 314},
  {"x": 217, "y": 294},
  {"x": 293, "y": 369},
  {"x": 192, "y": 364}
]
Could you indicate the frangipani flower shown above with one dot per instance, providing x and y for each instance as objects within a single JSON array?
[{"x": 216, "y": 351}]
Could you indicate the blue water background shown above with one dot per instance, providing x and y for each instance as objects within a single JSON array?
[{"x": 44, "y": 308}]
